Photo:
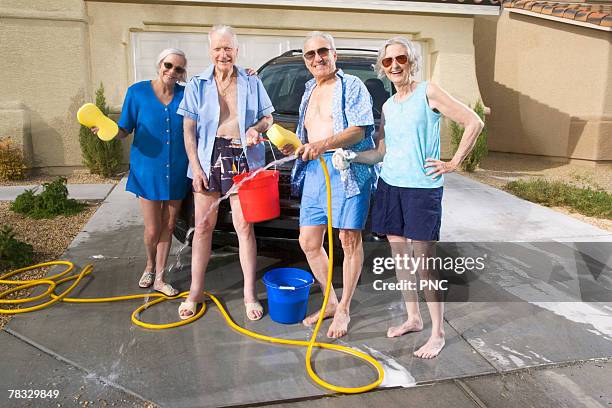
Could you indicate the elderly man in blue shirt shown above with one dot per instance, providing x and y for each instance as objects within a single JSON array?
[
  {"x": 225, "y": 111},
  {"x": 336, "y": 112}
]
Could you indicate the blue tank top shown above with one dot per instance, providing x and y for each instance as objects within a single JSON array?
[{"x": 412, "y": 134}]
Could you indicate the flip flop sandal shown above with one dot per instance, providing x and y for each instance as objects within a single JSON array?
[
  {"x": 253, "y": 307},
  {"x": 187, "y": 306},
  {"x": 167, "y": 290},
  {"x": 147, "y": 279}
]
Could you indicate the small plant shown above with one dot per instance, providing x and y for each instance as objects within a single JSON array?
[
  {"x": 13, "y": 253},
  {"x": 480, "y": 150},
  {"x": 51, "y": 202},
  {"x": 12, "y": 164},
  {"x": 593, "y": 203},
  {"x": 103, "y": 158}
]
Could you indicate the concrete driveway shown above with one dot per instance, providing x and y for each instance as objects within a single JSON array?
[{"x": 544, "y": 302}]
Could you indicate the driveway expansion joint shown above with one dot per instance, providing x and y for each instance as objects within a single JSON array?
[{"x": 71, "y": 363}]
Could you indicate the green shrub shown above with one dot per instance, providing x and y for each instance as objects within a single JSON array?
[
  {"x": 13, "y": 253},
  {"x": 51, "y": 202},
  {"x": 593, "y": 203},
  {"x": 103, "y": 158},
  {"x": 12, "y": 164},
  {"x": 480, "y": 150}
]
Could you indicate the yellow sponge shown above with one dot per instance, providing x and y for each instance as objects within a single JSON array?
[
  {"x": 282, "y": 137},
  {"x": 90, "y": 115}
]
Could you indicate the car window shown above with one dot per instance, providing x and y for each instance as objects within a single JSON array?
[
  {"x": 380, "y": 89},
  {"x": 285, "y": 84}
]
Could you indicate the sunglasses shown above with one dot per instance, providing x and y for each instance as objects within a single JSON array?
[
  {"x": 322, "y": 52},
  {"x": 401, "y": 59},
  {"x": 177, "y": 69}
]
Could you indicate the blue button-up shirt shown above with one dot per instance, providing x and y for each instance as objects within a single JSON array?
[
  {"x": 201, "y": 103},
  {"x": 158, "y": 161},
  {"x": 351, "y": 106}
]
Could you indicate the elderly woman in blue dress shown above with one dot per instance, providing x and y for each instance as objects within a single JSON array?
[
  {"x": 408, "y": 202},
  {"x": 158, "y": 161}
]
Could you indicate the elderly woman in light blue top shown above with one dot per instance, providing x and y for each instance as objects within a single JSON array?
[
  {"x": 158, "y": 162},
  {"x": 224, "y": 111},
  {"x": 408, "y": 202}
]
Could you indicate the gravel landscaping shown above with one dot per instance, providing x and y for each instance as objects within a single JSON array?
[{"x": 48, "y": 237}]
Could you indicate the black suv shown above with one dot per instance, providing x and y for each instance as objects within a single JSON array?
[{"x": 284, "y": 78}]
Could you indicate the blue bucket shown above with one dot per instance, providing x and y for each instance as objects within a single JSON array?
[{"x": 288, "y": 290}]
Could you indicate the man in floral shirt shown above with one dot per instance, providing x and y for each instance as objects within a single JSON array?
[{"x": 336, "y": 112}]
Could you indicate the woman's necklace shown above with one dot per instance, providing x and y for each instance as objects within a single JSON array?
[{"x": 222, "y": 88}]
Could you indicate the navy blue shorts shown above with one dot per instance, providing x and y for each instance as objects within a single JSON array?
[
  {"x": 413, "y": 213},
  {"x": 228, "y": 160}
]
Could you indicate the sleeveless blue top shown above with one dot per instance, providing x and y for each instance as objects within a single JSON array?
[{"x": 412, "y": 134}]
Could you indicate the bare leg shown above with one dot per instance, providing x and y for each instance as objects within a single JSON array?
[
  {"x": 152, "y": 215},
  {"x": 351, "y": 270},
  {"x": 311, "y": 242},
  {"x": 247, "y": 250},
  {"x": 201, "y": 243},
  {"x": 402, "y": 247},
  {"x": 169, "y": 213},
  {"x": 433, "y": 346}
]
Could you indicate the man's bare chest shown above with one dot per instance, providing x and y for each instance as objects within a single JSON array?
[{"x": 320, "y": 105}]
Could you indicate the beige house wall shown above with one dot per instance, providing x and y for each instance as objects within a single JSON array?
[
  {"x": 46, "y": 78},
  {"x": 447, "y": 40},
  {"x": 65, "y": 48},
  {"x": 549, "y": 85}
]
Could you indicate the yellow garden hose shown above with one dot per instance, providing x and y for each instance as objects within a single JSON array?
[{"x": 54, "y": 281}]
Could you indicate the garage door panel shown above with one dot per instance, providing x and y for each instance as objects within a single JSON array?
[{"x": 254, "y": 51}]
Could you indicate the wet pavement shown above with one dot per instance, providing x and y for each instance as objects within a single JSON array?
[{"x": 526, "y": 312}]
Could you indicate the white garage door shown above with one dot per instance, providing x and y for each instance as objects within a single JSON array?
[{"x": 255, "y": 50}]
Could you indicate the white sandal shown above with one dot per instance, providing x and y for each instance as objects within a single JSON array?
[
  {"x": 147, "y": 279},
  {"x": 189, "y": 306},
  {"x": 253, "y": 307},
  {"x": 167, "y": 290}
]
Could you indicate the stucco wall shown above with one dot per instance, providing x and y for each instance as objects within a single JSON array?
[
  {"x": 447, "y": 39},
  {"x": 549, "y": 85},
  {"x": 64, "y": 48},
  {"x": 45, "y": 78}
]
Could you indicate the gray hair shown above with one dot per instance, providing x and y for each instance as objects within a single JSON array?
[
  {"x": 222, "y": 29},
  {"x": 319, "y": 34},
  {"x": 414, "y": 59},
  {"x": 172, "y": 51}
]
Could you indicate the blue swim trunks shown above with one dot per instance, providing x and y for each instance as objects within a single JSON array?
[{"x": 347, "y": 213}]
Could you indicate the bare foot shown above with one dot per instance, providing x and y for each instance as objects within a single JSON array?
[
  {"x": 339, "y": 326},
  {"x": 410, "y": 325},
  {"x": 330, "y": 310},
  {"x": 432, "y": 348}
]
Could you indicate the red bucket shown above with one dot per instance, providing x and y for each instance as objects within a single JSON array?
[{"x": 259, "y": 196}]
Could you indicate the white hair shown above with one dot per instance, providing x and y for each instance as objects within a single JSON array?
[
  {"x": 222, "y": 29},
  {"x": 172, "y": 51},
  {"x": 414, "y": 59},
  {"x": 319, "y": 34}
]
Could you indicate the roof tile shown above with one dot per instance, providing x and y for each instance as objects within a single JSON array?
[
  {"x": 595, "y": 18},
  {"x": 582, "y": 15},
  {"x": 558, "y": 11},
  {"x": 570, "y": 13},
  {"x": 598, "y": 14}
]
